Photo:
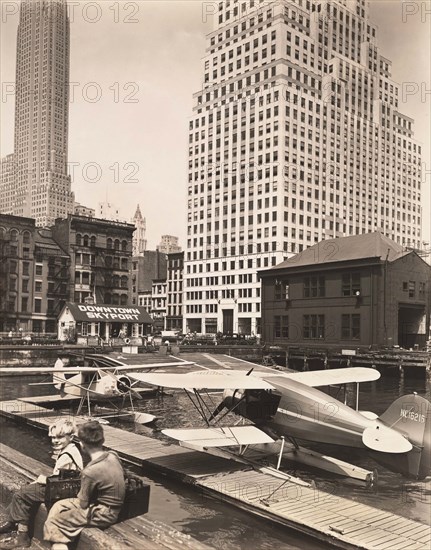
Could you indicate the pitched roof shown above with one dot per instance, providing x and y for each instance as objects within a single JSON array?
[
  {"x": 356, "y": 247},
  {"x": 43, "y": 240}
]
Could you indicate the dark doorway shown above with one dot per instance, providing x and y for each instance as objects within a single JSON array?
[
  {"x": 411, "y": 326},
  {"x": 228, "y": 321}
]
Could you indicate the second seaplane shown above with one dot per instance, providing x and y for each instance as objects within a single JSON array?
[
  {"x": 101, "y": 379},
  {"x": 273, "y": 406}
]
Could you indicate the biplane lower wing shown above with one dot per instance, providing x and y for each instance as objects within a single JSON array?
[{"x": 220, "y": 437}]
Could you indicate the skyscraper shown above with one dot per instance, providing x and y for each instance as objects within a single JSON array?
[
  {"x": 295, "y": 137},
  {"x": 41, "y": 186}
]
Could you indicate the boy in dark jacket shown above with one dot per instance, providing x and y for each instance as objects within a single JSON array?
[{"x": 100, "y": 498}]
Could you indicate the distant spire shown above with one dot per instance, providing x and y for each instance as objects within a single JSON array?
[
  {"x": 138, "y": 214},
  {"x": 139, "y": 241}
]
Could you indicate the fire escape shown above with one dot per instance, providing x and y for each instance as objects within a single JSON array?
[
  {"x": 4, "y": 277},
  {"x": 103, "y": 268},
  {"x": 58, "y": 287}
]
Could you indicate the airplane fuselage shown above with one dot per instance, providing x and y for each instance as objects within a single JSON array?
[
  {"x": 95, "y": 385},
  {"x": 310, "y": 414}
]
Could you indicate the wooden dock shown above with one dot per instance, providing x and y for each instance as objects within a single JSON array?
[
  {"x": 139, "y": 532},
  {"x": 337, "y": 521}
]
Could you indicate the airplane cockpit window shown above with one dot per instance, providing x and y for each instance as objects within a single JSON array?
[{"x": 261, "y": 405}]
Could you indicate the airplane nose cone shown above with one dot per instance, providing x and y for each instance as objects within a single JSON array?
[{"x": 385, "y": 440}]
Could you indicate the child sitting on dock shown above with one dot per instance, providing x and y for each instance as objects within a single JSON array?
[
  {"x": 101, "y": 496},
  {"x": 26, "y": 501}
]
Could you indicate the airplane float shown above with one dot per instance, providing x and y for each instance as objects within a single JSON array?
[
  {"x": 104, "y": 380},
  {"x": 288, "y": 405}
]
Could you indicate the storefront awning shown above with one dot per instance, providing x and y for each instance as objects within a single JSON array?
[{"x": 108, "y": 313}]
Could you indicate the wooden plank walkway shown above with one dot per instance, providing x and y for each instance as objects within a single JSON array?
[
  {"x": 139, "y": 532},
  {"x": 337, "y": 521}
]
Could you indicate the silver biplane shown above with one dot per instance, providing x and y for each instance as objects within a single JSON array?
[
  {"x": 102, "y": 379},
  {"x": 280, "y": 405}
]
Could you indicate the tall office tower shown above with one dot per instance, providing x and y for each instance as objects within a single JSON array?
[
  {"x": 295, "y": 137},
  {"x": 7, "y": 183},
  {"x": 169, "y": 244},
  {"x": 42, "y": 187}
]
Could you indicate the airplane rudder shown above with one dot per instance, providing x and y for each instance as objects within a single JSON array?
[{"x": 411, "y": 416}]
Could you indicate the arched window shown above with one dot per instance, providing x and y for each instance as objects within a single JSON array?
[
  {"x": 85, "y": 240},
  {"x": 26, "y": 237},
  {"x": 123, "y": 299},
  {"x": 117, "y": 244},
  {"x": 108, "y": 261},
  {"x": 2, "y": 233},
  {"x": 116, "y": 281},
  {"x": 107, "y": 298},
  {"x": 78, "y": 239},
  {"x": 124, "y": 263},
  {"x": 124, "y": 281},
  {"x": 109, "y": 243},
  {"x": 124, "y": 246},
  {"x": 115, "y": 299},
  {"x": 93, "y": 241},
  {"x": 13, "y": 235}
]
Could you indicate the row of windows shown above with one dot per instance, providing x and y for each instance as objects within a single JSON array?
[
  {"x": 313, "y": 327},
  {"x": 314, "y": 287},
  {"x": 86, "y": 240}
]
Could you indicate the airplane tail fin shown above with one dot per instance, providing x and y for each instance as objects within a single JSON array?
[{"x": 410, "y": 415}]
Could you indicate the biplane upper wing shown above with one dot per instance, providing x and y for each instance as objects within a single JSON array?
[
  {"x": 209, "y": 380},
  {"x": 219, "y": 437},
  {"x": 333, "y": 376},
  {"x": 77, "y": 370}
]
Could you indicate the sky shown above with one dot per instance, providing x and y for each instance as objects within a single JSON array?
[{"x": 135, "y": 66}]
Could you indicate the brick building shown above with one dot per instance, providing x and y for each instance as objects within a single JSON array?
[
  {"x": 174, "y": 291},
  {"x": 100, "y": 258},
  {"x": 363, "y": 290},
  {"x": 33, "y": 277}
]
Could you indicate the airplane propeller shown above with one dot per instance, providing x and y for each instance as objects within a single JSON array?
[{"x": 217, "y": 410}]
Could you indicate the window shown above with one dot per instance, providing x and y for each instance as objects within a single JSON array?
[
  {"x": 37, "y": 305},
  {"x": 39, "y": 269},
  {"x": 281, "y": 290},
  {"x": 412, "y": 289},
  {"x": 350, "y": 327},
  {"x": 84, "y": 329},
  {"x": 314, "y": 326},
  {"x": 281, "y": 326},
  {"x": 24, "y": 304},
  {"x": 38, "y": 286},
  {"x": 314, "y": 286},
  {"x": 351, "y": 284}
]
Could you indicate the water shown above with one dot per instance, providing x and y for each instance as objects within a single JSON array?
[{"x": 221, "y": 525}]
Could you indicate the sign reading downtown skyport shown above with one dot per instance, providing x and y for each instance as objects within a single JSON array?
[{"x": 105, "y": 312}]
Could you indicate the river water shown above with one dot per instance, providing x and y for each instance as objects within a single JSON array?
[{"x": 221, "y": 525}]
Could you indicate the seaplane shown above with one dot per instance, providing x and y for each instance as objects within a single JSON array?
[
  {"x": 271, "y": 407},
  {"x": 102, "y": 379}
]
